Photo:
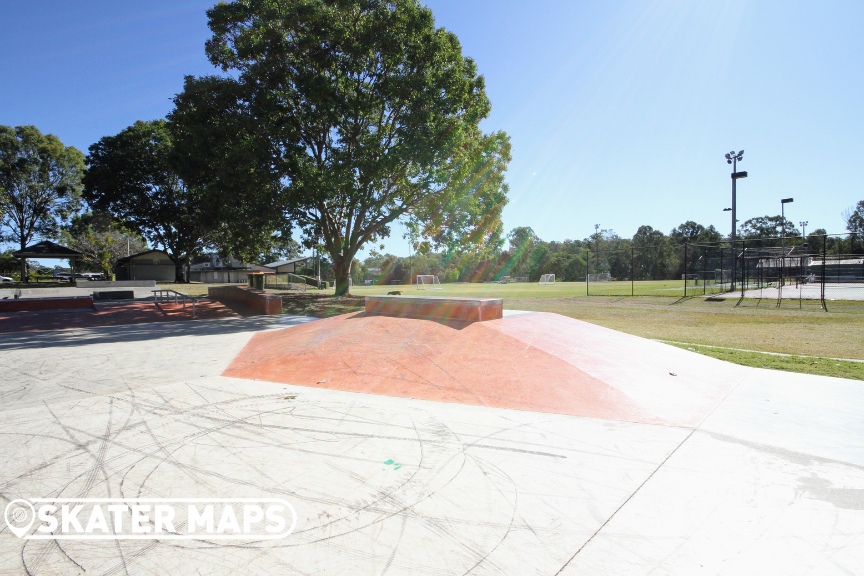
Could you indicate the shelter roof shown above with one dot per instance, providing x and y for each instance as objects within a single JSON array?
[
  {"x": 279, "y": 263},
  {"x": 47, "y": 249}
]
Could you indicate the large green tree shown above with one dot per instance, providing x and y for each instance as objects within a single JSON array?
[
  {"x": 133, "y": 177},
  {"x": 343, "y": 117},
  {"x": 691, "y": 232},
  {"x": 650, "y": 254},
  {"x": 766, "y": 227},
  {"x": 40, "y": 184}
]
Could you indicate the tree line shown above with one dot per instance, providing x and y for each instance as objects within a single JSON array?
[{"x": 648, "y": 255}]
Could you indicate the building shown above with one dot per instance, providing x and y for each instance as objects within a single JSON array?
[
  {"x": 229, "y": 270},
  {"x": 148, "y": 265}
]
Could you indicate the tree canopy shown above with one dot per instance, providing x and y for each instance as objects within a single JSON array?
[
  {"x": 693, "y": 232},
  {"x": 855, "y": 218},
  {"x": 345, "y": 116},
  {"x": 132, "y": 176},
  {"x": 767, "y": 227},
  {"x": 40, "y": 184}
]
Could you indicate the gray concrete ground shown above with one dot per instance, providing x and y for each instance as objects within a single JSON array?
[
  {"x": 140, "y": 292},
  {"x": 771, "y": 482},
  {"x": 851, "y": 291}
]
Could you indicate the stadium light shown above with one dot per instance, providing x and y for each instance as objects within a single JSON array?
[
  {"x": 733, "y": 158},
  {"x": 783, "y": 203},
  {"x": 803, "y": 225}
]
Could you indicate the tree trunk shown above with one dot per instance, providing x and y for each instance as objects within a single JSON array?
[
  {"x": 24, "y": 277},
  {"x": 180, "y": 267},
  {"x": 342, "y": 270}
]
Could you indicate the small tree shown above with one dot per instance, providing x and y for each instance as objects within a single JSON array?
[
  {"x": 40, "y": 184},
  {"x": 103, "y": 242},
  {"x": 9, "y": 263}
]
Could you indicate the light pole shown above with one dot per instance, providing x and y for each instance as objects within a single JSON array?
[
  {"x": 803, "y": 225},
  {"x": 733, "y": 158},
  {"x": 783, "y": 203}
]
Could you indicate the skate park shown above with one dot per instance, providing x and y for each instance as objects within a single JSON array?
[{"x": 530, "y": 444}]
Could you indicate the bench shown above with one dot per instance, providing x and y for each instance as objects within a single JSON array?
[{"x": 436, "y": 307}]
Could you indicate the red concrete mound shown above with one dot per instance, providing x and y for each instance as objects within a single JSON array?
[{"x": 468, "y": 363}]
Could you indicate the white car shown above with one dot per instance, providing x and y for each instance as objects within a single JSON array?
[{"x": 6, "y": 279}]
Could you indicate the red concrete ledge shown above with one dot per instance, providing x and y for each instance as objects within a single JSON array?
[
  {"x": 248, "y": 299},
  {"x": 35, "y": 304},
  {"x": 436, "y": 307}
]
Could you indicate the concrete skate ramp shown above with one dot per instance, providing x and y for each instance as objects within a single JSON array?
[{"x": 532, "y": 361}]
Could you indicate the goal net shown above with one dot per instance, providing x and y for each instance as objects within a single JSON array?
[
  {"x": 601, "y": 277},
  {"x": 428, "y": 282},
  {"x": 547, "y": 279}
]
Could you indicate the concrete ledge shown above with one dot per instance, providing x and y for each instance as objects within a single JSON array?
[
  {"x": 436, "y": 307},
  {"x": 114, "y": 295},
  {"x": 247, "y": 299},
  {"x": 34, "y": 304},
  {"x": 118, "y": 284}
]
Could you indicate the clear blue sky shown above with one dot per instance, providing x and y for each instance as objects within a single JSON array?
[{"x": 619, "y": 112}]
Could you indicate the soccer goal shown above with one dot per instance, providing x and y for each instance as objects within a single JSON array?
[
  {"x": 428, "y": 282},
  {"x": 601, "y": 277},
  {"x": 547, "y": 279}
]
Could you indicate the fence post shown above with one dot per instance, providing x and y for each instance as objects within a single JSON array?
[
  {"x": 685, "y": 269},
  {"x": 741, "y": 280},
  {"x": 824, "y": 256},
  {"x": 588, "y": 273},
  {"x": 632, "y": 283}
]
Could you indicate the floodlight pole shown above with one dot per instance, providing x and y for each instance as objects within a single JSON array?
[
  {"x": 783, "y": 203},
  {"x": 733, "y": 158},
  {"x": 803, "y": 225}
]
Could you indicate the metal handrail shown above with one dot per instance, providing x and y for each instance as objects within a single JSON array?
[{"x": 166, "y": 296}]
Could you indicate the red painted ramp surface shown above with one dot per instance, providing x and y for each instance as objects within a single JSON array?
[
  {"x": 522, "y": 362},
  {"x": 103, "y": 314}
]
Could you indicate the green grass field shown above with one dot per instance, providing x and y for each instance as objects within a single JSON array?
[
  {"x": 741, "y": 334},
  {"x": 534, "y": 290}
]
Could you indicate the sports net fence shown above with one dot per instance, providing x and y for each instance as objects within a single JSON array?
[{"x": 819, "y": 270}]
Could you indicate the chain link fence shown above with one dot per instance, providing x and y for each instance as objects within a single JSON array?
[
  {"x": 828, "y": 270},
  {"x": 646, "y": 270},
  {"x": 825, "y": 271}
]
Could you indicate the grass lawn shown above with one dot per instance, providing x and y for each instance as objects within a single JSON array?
[
  {"x": 805, "y": 364},
  {"x": 738, "y": 334}
]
